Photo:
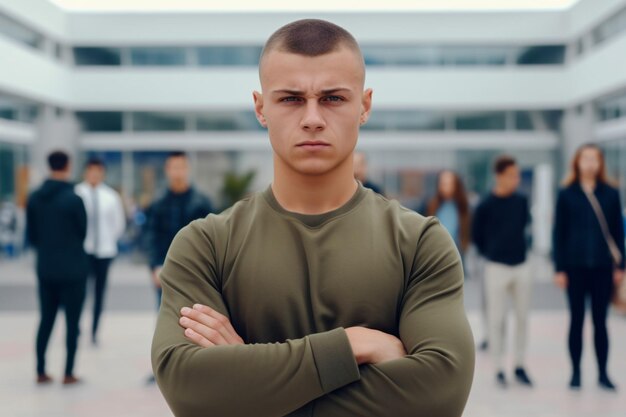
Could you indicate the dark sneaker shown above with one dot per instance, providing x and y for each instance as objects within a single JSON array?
[
  {"x": 483, "y": 346},
  {"x": 522, "y": 377},
  {"x": 606, "y": 384},
  {"x": 501, "y": 379},
  {"x": 70, "y": 380},
  {"x": 43, "y": 379},
  {"x": 574, "y": 383}
]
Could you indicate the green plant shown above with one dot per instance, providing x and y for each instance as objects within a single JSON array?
[{"x": 236, "y": 186}]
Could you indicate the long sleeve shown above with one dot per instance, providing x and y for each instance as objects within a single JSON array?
[
  {"x": 31, "y": 223},
  {"x": 239, "y": 380},
  {"x": 152, "y": 237},
  {"x": 559, "y": 233},
  {"x": 478, "y": 235},
  {"x": 120, "y": 217},
  {"x": 80, "y": 218},
  {"x": 617, "y": 226},
  {"x": 436, "y": 376}
]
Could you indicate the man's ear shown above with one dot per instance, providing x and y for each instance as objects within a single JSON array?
[
  {"x": 258, "y": 108},
  {"x": 366, "y": 105}
]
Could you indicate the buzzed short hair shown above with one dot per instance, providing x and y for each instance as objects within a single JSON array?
[{"x": 310, "y": 37}]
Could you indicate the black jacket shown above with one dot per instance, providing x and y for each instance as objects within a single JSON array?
[
  {"x": 499, "y": 228},
  {"x": 56, "y": 227},
  {"x": 167, "y": 216},
  {"x": 577, "y": 239}
]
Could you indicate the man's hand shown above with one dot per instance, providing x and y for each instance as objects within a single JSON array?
[
  {"x": 560, "y": 279},
  {"x": 374, "y": 346},
  {"x": 618, "y": 276},
  {"x": 206, "y": 327}
]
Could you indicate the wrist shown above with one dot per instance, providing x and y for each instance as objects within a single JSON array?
[{"x": 359, "y": 349}]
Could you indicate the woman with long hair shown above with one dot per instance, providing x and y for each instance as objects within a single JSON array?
[
  {"x": 451, "y": 207},
  {"x": 589, "y": 253}
]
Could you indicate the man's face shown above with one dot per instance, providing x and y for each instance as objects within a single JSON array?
[
  {"x": 312, "y": 108},
  {"x": 509, "y": 179},
  {"x": 94, "y": 175},
  {"x": 177, "y": 171}
]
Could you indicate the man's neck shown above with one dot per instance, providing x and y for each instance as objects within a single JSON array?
[
  {"x": 59, "y": 176},
  {"x": 502, "y": 192},
  {"x": 308, "y": 194},
  {"x": 179, "y": 188}
]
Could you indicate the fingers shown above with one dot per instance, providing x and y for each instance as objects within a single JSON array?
[
  {"x": 203, "y": 330},
  {"x": 209, "y": 324},
  {"x": 220, "y": 322},
  {"x": 197, "y": 338}
]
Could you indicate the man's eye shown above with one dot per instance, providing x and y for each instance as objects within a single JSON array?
[
  {"x": 332, "y": 98},
  {"x": 291, "y": 99}
]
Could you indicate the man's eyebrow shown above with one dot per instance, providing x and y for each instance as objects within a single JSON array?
[{"x": 301, "y": 93}]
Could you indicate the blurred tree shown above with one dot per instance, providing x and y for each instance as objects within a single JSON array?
[{"x": 236, "y": 187}]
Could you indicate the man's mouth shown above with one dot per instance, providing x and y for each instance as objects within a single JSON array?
[{"x": 313, "y": 144}]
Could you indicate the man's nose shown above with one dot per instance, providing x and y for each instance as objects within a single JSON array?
[{"x": 313, "y": 120}]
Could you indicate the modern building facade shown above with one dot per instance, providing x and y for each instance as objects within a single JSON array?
[{"x": 452, "y": 89}]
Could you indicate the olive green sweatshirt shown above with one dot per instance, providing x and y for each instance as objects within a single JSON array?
[{"x": 290, "y": 283}]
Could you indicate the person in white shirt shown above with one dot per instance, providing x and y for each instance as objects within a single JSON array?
[{"x": 106, "y": 223}]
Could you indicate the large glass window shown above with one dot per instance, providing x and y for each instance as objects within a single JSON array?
[
  {"x": 158, "y": 56},
  {"x": 481, "y": 121},
  {"x": 610, "y": 27},
  {"x": 462, "y": 55},
  {"x": 227, "y": 121},
  {"x": 100, "y": 121},
  {"x": 228, "y": 55},
  {"x": 613, "y": 107},
  {"x": 158, "y": 122},
  {"x": 19, "y": 32},
  {"x": 97, "y": 56},
  {"x": 541, "y": 55},
  {"x": 13, "y": 108},
  {"x": 402, "y": 120},
  {"x": 541, "y": 120}
]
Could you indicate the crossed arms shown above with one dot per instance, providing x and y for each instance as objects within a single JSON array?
[{"x": 203, "y": 367}]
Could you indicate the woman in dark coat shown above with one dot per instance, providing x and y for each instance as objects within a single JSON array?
[{"x": 587, "y": 253}]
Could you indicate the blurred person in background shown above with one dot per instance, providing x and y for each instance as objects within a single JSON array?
[
  {"x": 499, "y": 232},
  {"x": 180, "y": 205},
  {"x": 451, "y": 207},
  {"x": 106, "y": 223},
  {"x": 360, "y": 172},
  {"x": 588, "y": 253},
  {"x": 56, "y": 227}
]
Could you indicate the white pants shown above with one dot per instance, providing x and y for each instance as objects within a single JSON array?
[{"x": 500, "y": 281}]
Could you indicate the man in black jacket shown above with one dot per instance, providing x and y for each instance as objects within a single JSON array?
[
  {"x": 56, "y": 227},
  {"x": 177, "y": 208},
  {"x": 498, "y": 231},
  {"x": 180, "y": 205}
]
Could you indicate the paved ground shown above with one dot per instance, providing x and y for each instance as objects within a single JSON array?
[{"x": 115, "y": 372}]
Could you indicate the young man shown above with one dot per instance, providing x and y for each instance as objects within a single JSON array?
[
  {"x": 106, "y": 223},
  {"x": 180, "y": 205},
  {"x": 499, "y": 230},
  {"x": 56, "y": 227},
  {"x": 317, "y": 297}
]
